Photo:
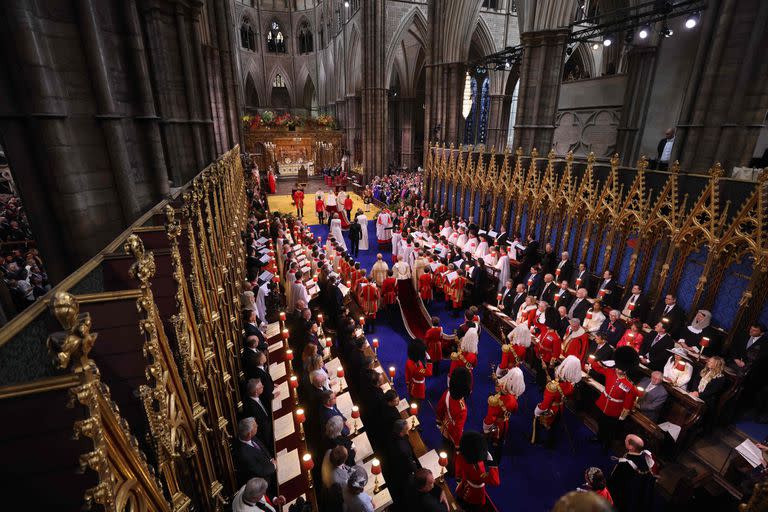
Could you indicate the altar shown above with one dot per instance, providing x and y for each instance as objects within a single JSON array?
[
  {"x": 290, "y": 150},
  {"x": 291, "y": 168}
]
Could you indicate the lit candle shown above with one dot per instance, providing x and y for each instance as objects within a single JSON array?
[
  {"x": 557, "y": 273},
  {"x": 443, "y": 460},
  {"x": 375, "y": 343},
  {"x": 498, "y": 297},
  {"x": 375, "y": 467},
  {"x": 300, "y": 417},
  {"x": 355, "y": 412},
  {"x": 578, "y": 282},
  {"x": 289, "y": 355},
  {"x": 640, "y": 391},
  {"x": 414, "y": 409},
  {"x": 285, "y": 334},
  {"x": 704, "y": 342},
  {"x": 340, "y": 372},
  {"x": 392, "y": 372},
  {"x": 328, "y": 342},
  {"x": 276, "y": 279},
  {"x": 589, "y": 315},
  {"x": 362, "y": 320},
  {"x": 282, "y": 316},
  {"x": 293, "y": 382},
  {"x": 602, "y": 293},
  {"x": 592, "y": 358},
  {"x": 320, "y": 318},
  {"x": 307, "y": 462}
]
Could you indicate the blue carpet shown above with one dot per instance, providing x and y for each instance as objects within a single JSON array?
[
  {"x": 758, "y": 431},
  {"x": 532, "y": 477}
]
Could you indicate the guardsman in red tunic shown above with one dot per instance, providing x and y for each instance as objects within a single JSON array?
[
  {"x": 417, "y": 369},
  {"x": 547, "y": 348},
  {"x": 425, "y": 286},
  {"x": 319, "y": 208},
  {"x": 361, "y": 280},
  {"x": 434, "y": 339},
  {"x": 370, "y": 303},
  {"x": 575, "y": 341},
  {"x": 475, "y": 471},
  {"x": 501, "y": 406},
  {"x": 557, "y": 390},
  {"x": 298, "y": 199},
  {"x": 343, "y": 269},
  {"x": 389, "y": 289},
  {"x": 513, "y": 353},
  {"x": 618, "y": 398},
  {"x": 451, "y": 412},
  {"x": 457, "y": 290}
]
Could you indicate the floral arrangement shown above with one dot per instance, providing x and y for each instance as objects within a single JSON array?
[{"x": 268, "y": 119}]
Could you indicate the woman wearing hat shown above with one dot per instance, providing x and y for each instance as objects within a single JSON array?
[{"x": 678, "y": 369}]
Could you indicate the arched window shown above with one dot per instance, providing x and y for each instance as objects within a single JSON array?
[
  {"x": 476, "y": 124},
  {"x": 491, "y": 4},
  {"x": 306, "y": 44},
  {"x": 247, "y": 36},
  {"x": 278, "y": 81},
  {"x": 275, "y": 38}
]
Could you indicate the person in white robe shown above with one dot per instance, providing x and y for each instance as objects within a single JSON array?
[
  {"x": 515, "y": 248},
  {"x": 447, "y": 229},
  {"x": 298, "y": 292},
  {"x": 491, "y": 258},
  {"x": 503, "y": 267},
  {"x": 397, "y": 237},
  {"x": 401, "y": 269},
  {"x": 342, "y": 212},
  {"x": 461, "y": 241},
  {"x": 336, "y": 231},
  {"x": 384, "y": 227},
  {"x": 454, "y": 238},
  {"x": 406, "y": 248},
  {"x": 482, "y": 248},
  {"x": 363, "y": 221},
  {"x": 261, "y": 302}
]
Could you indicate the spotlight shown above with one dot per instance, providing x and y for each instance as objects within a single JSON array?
[
  {"x": 607, "y": 42},
  {"x": 507, "y": 64},
  {"x": 692, "y": 20},
  {"x": 644, "y": 32},
  {"x": 595, "y": 46},
  {"x": 346, "y": 3},
  {"x": 666, "y": 31}
]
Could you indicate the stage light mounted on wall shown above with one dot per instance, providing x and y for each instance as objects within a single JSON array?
[
  {"x": 666, "y": 31},
  {"x": 466, "y": 106},
  {"x": 595, "y": 46},
  {"x": 644, "y": 32},
  {"x": 346, "y": 3},
  {"x": 692, "y": 20},
  {"x": 507, "y": 64},
  {"x": 607, "y": 42}
]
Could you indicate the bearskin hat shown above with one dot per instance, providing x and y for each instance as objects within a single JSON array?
[
  {"x": 459, "y": 386},
  {"x": 626, "y": 358},
  {"x": 473, "y": 447}
]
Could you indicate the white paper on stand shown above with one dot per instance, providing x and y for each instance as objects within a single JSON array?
[
  {"x": 363, "y": 448},
  {"x": 750, "y": 452},
  {"x": 277, "y": 371},
  {"x": 277, "y": 402},
  {"x": 273, "y": 330},
  {"x": 344, "y": 404},
  {"x": 431, "y": 461},
  {"x": 284, "y": 426},
  {"x": 452, "y": 276},
  {"x": 288, "y": 466},
  {"x": 672, "y": 429}
]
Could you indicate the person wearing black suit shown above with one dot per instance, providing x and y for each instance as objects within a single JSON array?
[
  {"x": 563, "y": 296},
  {"x": 251, "y": 457},
  {"x": 581, "y": 278},
  {"x": 580, "y": 305},
  {"x": 328, "y": 409},
  {"x": 607, "y": 289},
  {"x": 388, "y": 413},
  {"x": 563, "y": 322},
  {"x": 750, "y": 353},
  {"x": 531, "y": 255},
  {"x": 254, "y": 407},
  {"x": 664, "y": 150},
  {"x": 654, "y": 351},
  {"x": 261, "y": 371},
  {"x": 479, "y": 279},
  {"x": 251, "y": 357},
  {"x": 401, "y": 460},
  {"x": 565, "y": 266},
  {"x": 602, "y": 350},
  {"x": 709, "y": 385},
  {"x": 548, "y": 259},
  {"x": 635, "y": 304},
  {"x": 251, "y": 323},
  {"x": 669, "y": 310},
  {"x": 534, "y": 280},
  {"x": 425, "y": 496},
  {"x": 548, "y": 289},
  {"x": 613, "y": 328},
  {"x": 507, "y": 296},
  {"x": 517, "y": 300}
]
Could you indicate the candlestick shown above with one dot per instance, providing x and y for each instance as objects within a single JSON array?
[
  {"x": 289, "y": 359},
  {"x": 392, "y": 374},
  {"x": 443, "y": 461},
  {"x": 340, "y": 375},
  {"x": 308, "y": 464},
  {"x": 285, "y": 334},
  {"x": 320, "y": 319},
  {"x": 300, "y": 419},
  {"x": 375, "y": 345},
  {"x": 375, "y": 471},
  {"x": 282, "y": 316},
  {"x": 355, "y": 415},
  {"x": 414, "y": 411},
  {"x": 293, "y": 383}
]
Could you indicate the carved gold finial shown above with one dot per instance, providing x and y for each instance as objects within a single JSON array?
[
  {"x": 519, "y": 151},
  {"x": 591, "y": 157},
  {"x": 143, "y": 268},
  {"x": 534, "y": 153},
  {"x": 762, "y": 176},
  {"x": 675, "y": 169},
  {"x": 551, "y": 155},
  {"x": 73, "y": 345},
  {"x": 615, "y": 160},
  {"x": 717, "y": 170}
]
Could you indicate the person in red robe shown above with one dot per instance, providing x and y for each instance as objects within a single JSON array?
[
  {"x": 319, "y": 208},
  {"x": 575, "y": 341},
  {"x": 501, "y": 406},
  {"x": 457, "y": 291},
  {"x": 475, "y": 469},
  {"x": 425, "y": 286},
  {"x": 298, "y": 200},
  {"x": 348, "y": 207},
  {"x": 513, "y": 353},
  {"x": 271, "y": 181},
  {"x": 417, "y": 368},
  {"x": 369, "y": 294},
  {"x": 547, "y": 348},
  {"x": 389, "y": 289},
  {"x": 632, "y": 337},
  {"x": 557, "y": 390},
  {"x": 451, "y": 412}
]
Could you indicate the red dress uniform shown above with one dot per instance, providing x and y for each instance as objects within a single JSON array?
[
  {"x": 370, "y": 296},
  {"x": 463, "y": 359},
  {"x": 548, "y": 348},
  {"x": 298, "y": 198},
  {"x": 528, "y": 317},
  {"x": 425, "y": 286},
  {"x": 389, "y": 290},
  {"x": 348, "y": 203},
  {"x": 576, "y": 346},
  {"x": 500, "y": 407},
  {"x": 457, "y": 291},
  {"x": 438, "y": 280},
  {"x": 434, "y": 339},
  {"x": 452, "y": 415},
  {"x": 511, "y": 356},
  {"x": 619, "y": 394},
  {"x": 354, "y": 276},
  {"x": 474, "y": 477},
  {"x": 271, "y": 182},
  {"x": 415, "y": 378},
  {"x": 555, "y": 394},
  {"x": 344, "y": 270},
  {"x": 319, "y": 206},
  {"x": 635, "y": 341}
]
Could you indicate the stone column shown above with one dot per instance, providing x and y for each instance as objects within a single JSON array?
[
  {"x": 407, "y": 131},
  {"x": 540, "y": 76},
  {"x": 374, "y": 94},
  {"x": 641, "y": 68},
  {"x": 727, "y": 97}
]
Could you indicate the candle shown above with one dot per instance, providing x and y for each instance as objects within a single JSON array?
[
  {"x": 355, "y": 412},
  {"x": 602, "y": 293},
  {"x": 375, "y": 467},
  {"x": 498, "y": 297},
  {"x": 293, "y": 382},
  {"x": 578, "y": 282},
  {"x": 306, "y": 462},
  {"x": 592, "y": 358},
  {"x": 375, "y": 342},
  {"x": 631, "y": 307},
  {"x": 557, "y": 296},
  {"x": 320, "y": 318},
  {"x": 314, "y": 279},
  {"x": 300, "y": 416},
  {"x": 557, "y": 273},
  {"x": 589, "y": 315},
  {"x": 530, "y": 282},
  {"x": 640, "y": 391},
  {"x": 443, "y": 460},
  {"x": 349, "y": 284},
  {"x": 340, "y": 372},
  {"x": 289, "y": 355},
  {"x": 704, "y": 342},
  {"x": 392, "y": 372},
  {"x": 362, "y": 320},
  {"x": 414, "y": 409},
  {"x": 282, "y": 316},
  {"x": 285, "y": 334}
]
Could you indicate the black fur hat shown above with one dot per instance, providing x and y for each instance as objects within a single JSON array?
[
  {"x": 473, "y": 447},
  {"x": 417, "y": 351},
  {"x": 460, "y": 383},
  {"x": 626, "y": 358}
]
